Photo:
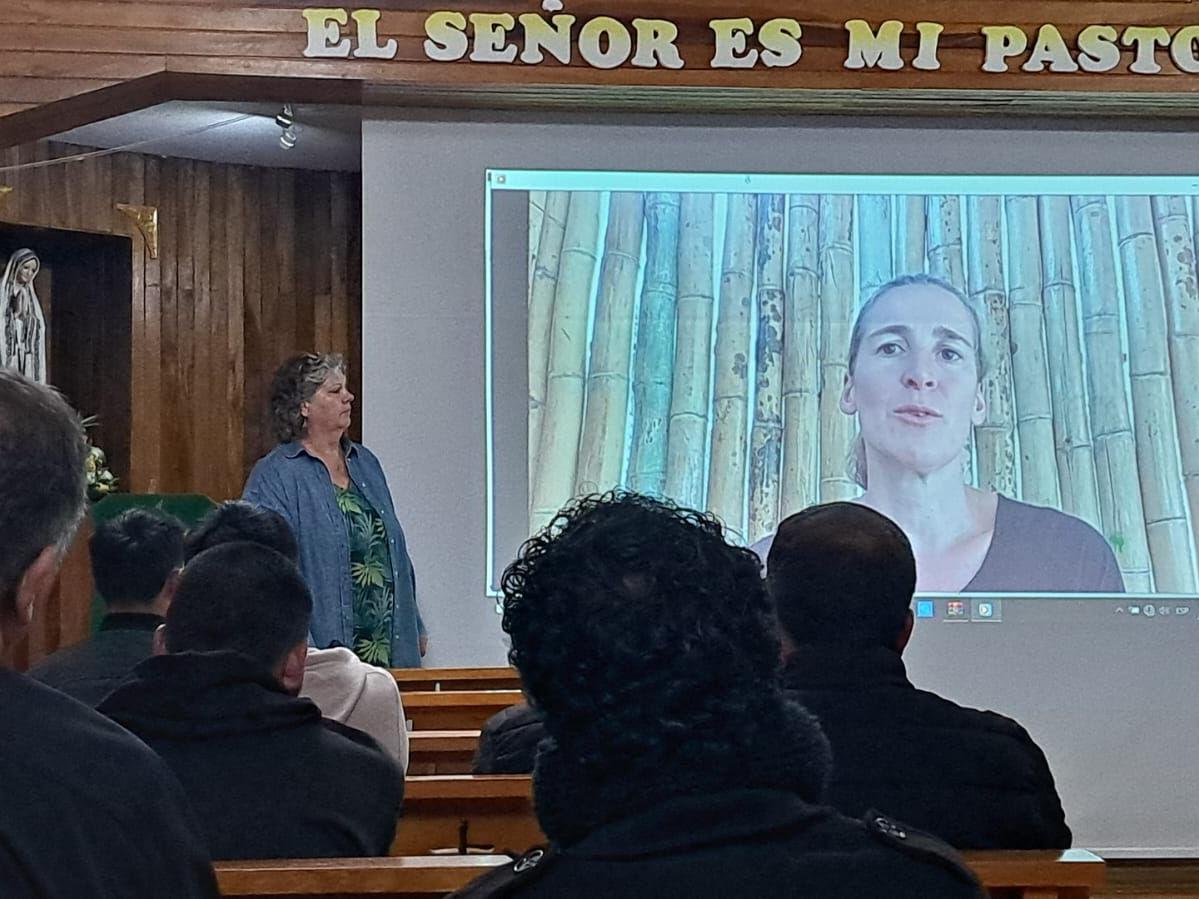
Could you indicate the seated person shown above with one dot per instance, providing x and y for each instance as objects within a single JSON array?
[
  {"x": 266, "y": 774},
  {"x": 136, "y": 559},
  {"x": 344, "y": 687},
  {"x": 842, "y": 578},
  {"x": 85, "y": 808},
  {"x": 674, "y": 762},
  {"x": 508, "y": 741}
]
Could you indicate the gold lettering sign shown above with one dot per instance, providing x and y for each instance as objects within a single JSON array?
[{"x": 739, "y": 42}]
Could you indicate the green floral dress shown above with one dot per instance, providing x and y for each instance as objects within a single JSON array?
[{"x": 370, "y": 577}]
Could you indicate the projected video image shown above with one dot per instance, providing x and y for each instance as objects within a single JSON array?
[{"x": 1010, "y": 377}]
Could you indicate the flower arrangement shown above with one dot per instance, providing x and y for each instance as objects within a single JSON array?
[{"x": 100, "y": 479}]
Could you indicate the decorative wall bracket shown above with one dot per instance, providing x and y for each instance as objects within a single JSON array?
[{"x": 146, "y": 219}]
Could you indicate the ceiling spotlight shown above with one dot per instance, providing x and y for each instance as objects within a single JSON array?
[
  {"x": 286, "y": 117},
  {"x": 287, "y": 139}
]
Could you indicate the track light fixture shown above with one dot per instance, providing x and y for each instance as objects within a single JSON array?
[{"x": 286, "y": 120}]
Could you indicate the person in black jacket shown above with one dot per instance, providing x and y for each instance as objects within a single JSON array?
[
  {"x": 136, "y": 559},
  {"x": 508, "y": 741},
  {"x": 842, "y": 578},
  {"x": 268, "y": 777},
  {"x": 85, "y": 808},
  {"x": 674, "y": 764}
]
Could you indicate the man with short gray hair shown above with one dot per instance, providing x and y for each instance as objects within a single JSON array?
[{"x": 86, "y": 809}]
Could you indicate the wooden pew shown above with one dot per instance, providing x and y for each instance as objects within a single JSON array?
[
  {"x": 495, "y": 812},
  {"x": 491, "y": 811},
  {"x": 456, "y": 710},
  {"x": 1066, "y": 874},
  {"x": 427, "y": 876},
  {"x": 445, "y": 679},
  {"x": 1072, "y": 874},
  {"x": 1151, "y": 878},
  {"x": 442, "y": 751}
]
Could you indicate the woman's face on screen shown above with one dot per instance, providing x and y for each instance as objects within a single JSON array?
[{"x": 914, "y": 381}]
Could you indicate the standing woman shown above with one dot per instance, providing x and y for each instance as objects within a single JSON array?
[
  {"x": 334, "y": 495},
  {"x": 23, "y": 334}
]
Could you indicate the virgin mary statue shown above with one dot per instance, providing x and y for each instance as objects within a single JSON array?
[{"x": 23, "y": 334}]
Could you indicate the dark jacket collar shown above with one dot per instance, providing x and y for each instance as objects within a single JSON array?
[
  {"x": 199, "y": 695},
  {"x": 693, "y": 821},
  {"x": 130, "y": 621},
  {"x": 844, "y": 666}
]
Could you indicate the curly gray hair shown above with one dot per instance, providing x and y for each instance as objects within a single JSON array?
[{"x": 296, "y": 381}]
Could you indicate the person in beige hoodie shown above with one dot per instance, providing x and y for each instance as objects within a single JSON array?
[
  {"x": 348, "y": 690},
  {"x": 342, "y": 686}
]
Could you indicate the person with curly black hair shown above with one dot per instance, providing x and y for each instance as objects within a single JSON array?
[{"x": 674, "y": 763}]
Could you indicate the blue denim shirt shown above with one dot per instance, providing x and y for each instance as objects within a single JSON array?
[{"x": 289, "y": 481}]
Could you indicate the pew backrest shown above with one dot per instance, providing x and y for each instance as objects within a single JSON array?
[
  {"x": 447, "y": 679},
  {"x": 426, "y": 876},
  {"x": 442, "y": 751},
  {"x": 495, "y": 812},
  {"x": 456, "y": 710}
]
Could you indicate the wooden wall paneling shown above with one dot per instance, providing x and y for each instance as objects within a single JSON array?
[
  {"x": 309, "y": 247},
  {"x": 184, "y": 405},
  {"x": 339, "y": 263},
  {"x": 322, "y": 271},
  {"x": 128, "y": 186},
  {"x": 284, "y": 213},
  {"x": 204, "y": 409},
  {"x": 256, "y": 435},
  {"x": 269, "y": 333},
  {"x": 253, "y": 267},
  {"x": 167, "y": 475},
  {"x": 235, "y": 305},
  {"x": 149, "y": 356},
  {"x": 213, "y": 388}
]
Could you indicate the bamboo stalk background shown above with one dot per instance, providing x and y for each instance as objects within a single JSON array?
[
  {"x": 689, "y": 403},
  {"x": 1067, "y": 426},
  {"x": 801, "y": 361},
  {"x": 1063, "y": 341},
  {"x": 602, "y": 445},
  {"x": 1176, "y": 250},
  {"x": 1120, "y": 502},
  {"x": 944, "y": 239},
  {"x": 653, "y": 354},
  {"x": 1030, "y": 370},
  {"x": 909, "y": 235},
  {"x": 554, "y": 474},
  {"x": 536, "y": 215},
  {"x": 837, "y": 304},
  {"x": 875, "y": 264},
  {"x": 1158, "y": 464},
  {"x": 542, "y": 287},
  {"x": 730, "y": 391},
  {"x": 995, "y": 437},
  {"x": 766, "y": 435}
]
